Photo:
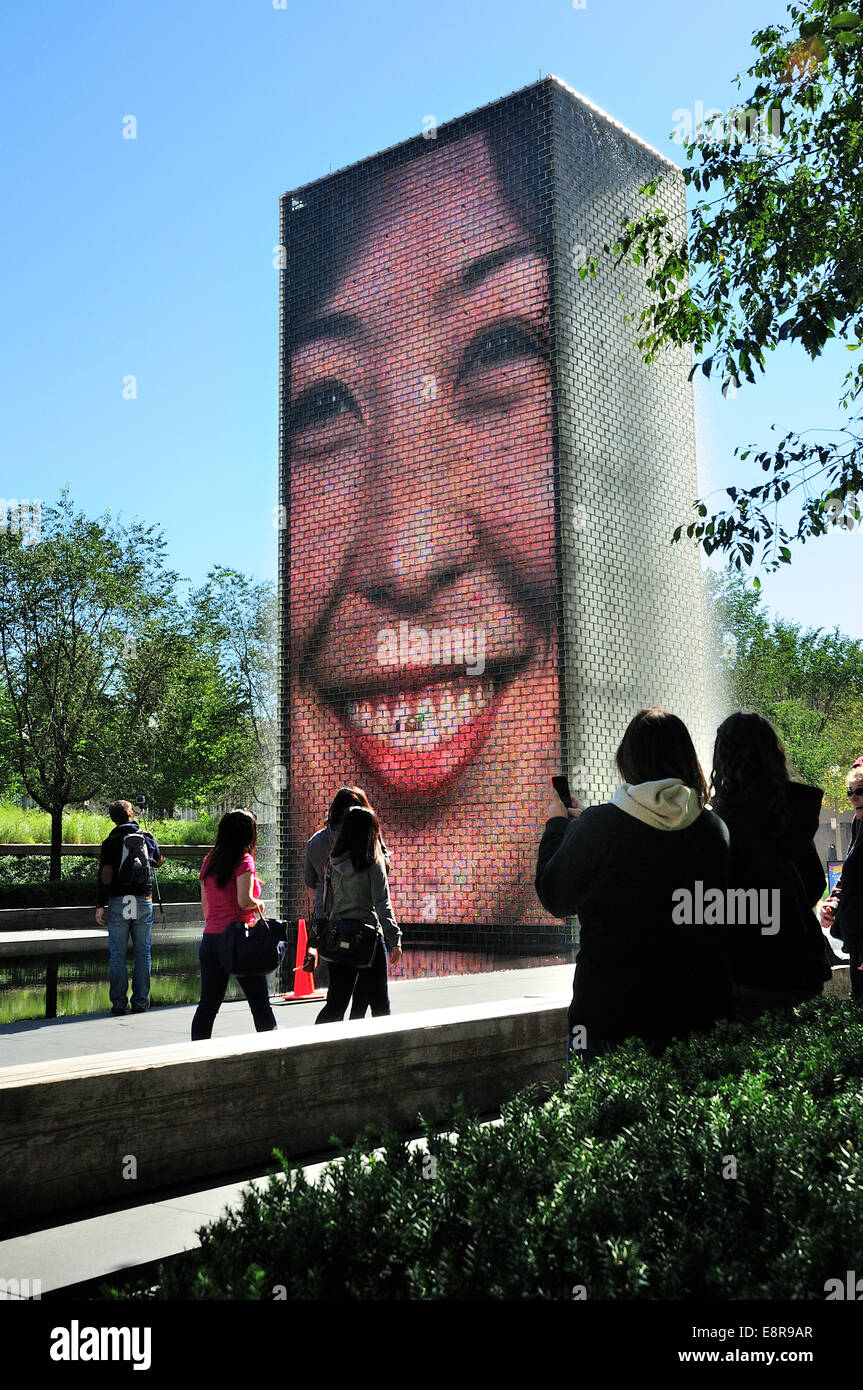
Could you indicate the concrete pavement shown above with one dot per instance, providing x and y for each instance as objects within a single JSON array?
[{"x": 51, "y": 1039}]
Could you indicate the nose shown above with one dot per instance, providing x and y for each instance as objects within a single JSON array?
[{"x": 421, "y": 532}]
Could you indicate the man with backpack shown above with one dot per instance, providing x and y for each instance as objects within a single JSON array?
[{"x": 127, "y": 859}]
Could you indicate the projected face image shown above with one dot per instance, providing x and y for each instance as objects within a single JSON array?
[{"x": 423, "y": 572}]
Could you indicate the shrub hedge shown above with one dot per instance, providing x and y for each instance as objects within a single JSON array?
[
  {"x": 730, "y": 1168},
  {"x": 24, "y": 881}
]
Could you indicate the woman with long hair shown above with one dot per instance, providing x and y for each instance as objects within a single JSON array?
[
  {"x": 637, "y": 871},
  {"x": 319, "y": 848},
  {"x": 360, "y": 893},
  {"x": 773, "y": 821},
  {"x": 230, "y": 892}
]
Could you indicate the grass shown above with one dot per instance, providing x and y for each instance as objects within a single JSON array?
[
  {"x": 19, "y": 827},
  {"x": 86, "y": 997}
]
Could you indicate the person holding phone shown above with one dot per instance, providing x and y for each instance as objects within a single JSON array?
[{"x": 640, "y": 972}]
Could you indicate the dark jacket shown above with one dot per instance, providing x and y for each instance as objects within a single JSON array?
[
  {"x": 109, "y": 860},
  {"x": 777, "y": 852},
  {"x": 848, "y": 922},
  {"x": 638, "y": 973},
  {"x": 836, "y": 893}
]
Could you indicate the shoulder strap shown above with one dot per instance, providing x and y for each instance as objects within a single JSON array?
[{"x": 327, "y": 894}]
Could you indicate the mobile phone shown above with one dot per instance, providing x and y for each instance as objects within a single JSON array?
[{"x": 561, "y": 786}]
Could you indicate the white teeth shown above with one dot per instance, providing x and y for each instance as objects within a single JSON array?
[{"x": 420, "y": 720}]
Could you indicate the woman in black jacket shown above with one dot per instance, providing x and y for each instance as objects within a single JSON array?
[
  {"x": 772, "y": 822},
  {"x": 637, "y": 871}
]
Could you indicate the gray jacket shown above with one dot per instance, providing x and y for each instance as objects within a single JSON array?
[
  {"x": 317, "y": 854},
  {"x": 364, "y": 896}
]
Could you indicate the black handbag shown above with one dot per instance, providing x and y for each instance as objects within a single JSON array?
[
  {"x": 252, "y": 948},
  {"x": 345, "y": 941}
]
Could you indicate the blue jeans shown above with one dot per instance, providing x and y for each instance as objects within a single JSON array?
[
  {"x": 214, "y": 982},
  {"x": 125, "y": 914}
]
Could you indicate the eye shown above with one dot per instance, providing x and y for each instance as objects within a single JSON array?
[
  {"x": 497, "y": 345},
  {"x": 326, "y": 403}
]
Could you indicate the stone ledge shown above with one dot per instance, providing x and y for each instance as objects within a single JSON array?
[{"x": 192, "y": 1110}]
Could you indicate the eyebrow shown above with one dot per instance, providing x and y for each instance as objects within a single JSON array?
[
  {"x": 326, "y": 326},
  {"x": 349, "y": 326},
  {"x": 477, "y": 270}
]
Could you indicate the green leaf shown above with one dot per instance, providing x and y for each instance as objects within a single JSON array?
[{"x": 845, "y": 19}]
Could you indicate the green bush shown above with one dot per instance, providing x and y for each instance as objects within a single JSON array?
[
  {"x": 24, "y": 881},
  {"x": 620, "y": 1183}
]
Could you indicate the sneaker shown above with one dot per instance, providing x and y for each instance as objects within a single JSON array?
[
  {"x": 139, "y": 1008},
  {"x": 118, "y": 1010}
]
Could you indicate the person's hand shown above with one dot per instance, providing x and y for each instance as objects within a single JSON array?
[
  {"x": 555, "y": 807},
  {"x": 100, "y": 916},
  {"x": 395, "y": 955},
  {"x": 828, "y": 912},
  {"x": 310, "y": 960}
]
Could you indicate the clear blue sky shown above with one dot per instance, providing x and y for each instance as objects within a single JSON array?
[{"x": 152, "y": 257}]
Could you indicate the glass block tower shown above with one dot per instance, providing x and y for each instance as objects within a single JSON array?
[{"x": 479, "y": 478}]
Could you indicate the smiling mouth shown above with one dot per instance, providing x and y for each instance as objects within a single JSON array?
[{"x": 419, "y": 738}]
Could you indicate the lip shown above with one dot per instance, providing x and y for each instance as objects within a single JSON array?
[{"x": 421, "y": 732}]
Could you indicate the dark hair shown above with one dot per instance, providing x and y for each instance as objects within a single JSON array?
[
  {"x": 237, "y": 833},
  {"x": 121, "y": 811},
  {"x": 344, "y": 798},
  {"x": 748, "y": 751},
  {"x": 359, "y": 837},
  {"x": 657, "y": 745},
  {"x": 324, "y": 222}
]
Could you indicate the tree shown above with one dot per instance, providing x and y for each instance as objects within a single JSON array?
[
  {"x": 88, "y": 625},
  {"x": 776, "y": 257},
  {"x": 237, "y": 622},
  {"x": 204, "y": 750},
  {"x": 809, "y": 683}
]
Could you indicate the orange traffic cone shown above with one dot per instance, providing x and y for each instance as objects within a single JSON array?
[{"x": 304, "y": 980}]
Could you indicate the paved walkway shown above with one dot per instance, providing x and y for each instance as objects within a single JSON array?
[
  {"x": 52, "y": 1039},
  {"x": 96, "y": 1247}
]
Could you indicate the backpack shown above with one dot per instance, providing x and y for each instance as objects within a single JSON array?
[{"x": 133, "y": 873}]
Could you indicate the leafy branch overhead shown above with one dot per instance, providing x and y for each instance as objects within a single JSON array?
[{"x": 773, "y": 253}]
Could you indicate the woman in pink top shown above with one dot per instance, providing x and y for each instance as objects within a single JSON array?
[{"x": 230, "y": 892}]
